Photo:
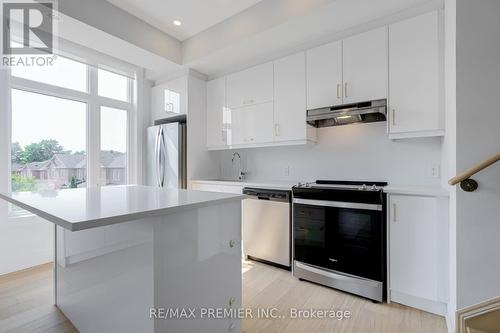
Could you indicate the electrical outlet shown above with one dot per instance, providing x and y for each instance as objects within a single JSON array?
[
  {"x": 435, "y": 170},
  {"x": 286, "y": 171}
]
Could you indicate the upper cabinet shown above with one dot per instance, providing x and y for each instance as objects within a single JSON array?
[
  {"x": 415, "y": 77},
  {"x": 251, "y": 125},
  {"x": 216, "y": 106},
  {"x": 169, "y": 99},
  {"x": 290, "y": 99},
  {"x": 324, "y": 76},
  {"x": 251, "y": 86},
  {"x": 365, "y": 66},
  {"x": 267, "y": 104},
  {"x": 349, "y": 71}
]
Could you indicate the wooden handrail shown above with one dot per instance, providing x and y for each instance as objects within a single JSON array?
[{"x": 475, "y": 169}]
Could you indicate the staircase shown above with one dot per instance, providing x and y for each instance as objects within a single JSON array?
[{"x": 480, "y": 318}]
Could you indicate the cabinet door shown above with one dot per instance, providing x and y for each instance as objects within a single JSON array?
[
  {"x": 414, "y": 248},
  {"x": 167, "y": 100},
  {"x": 216, "y": 103},
  {"x": 251, "y": 86},
  {"x": 251, "y": 124},
  {"x": 414, "y": 74},
  {"x": 290, "y": 98},
  {"x": 324, "y": 76},
  {"x": 365, "y": 66}
]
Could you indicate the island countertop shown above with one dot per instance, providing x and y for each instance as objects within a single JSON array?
[{"x": 85, "y": 208}]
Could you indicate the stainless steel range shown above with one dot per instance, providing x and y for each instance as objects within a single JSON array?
[{"x": 339, "y": 236}]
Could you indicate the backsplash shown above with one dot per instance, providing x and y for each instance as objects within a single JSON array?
[{"x": 352, "y": 152}]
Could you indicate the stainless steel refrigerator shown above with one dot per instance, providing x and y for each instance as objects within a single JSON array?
[{"x": 166, "y": 153}]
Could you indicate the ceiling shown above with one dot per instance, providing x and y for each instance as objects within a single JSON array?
[{"x": 195, "y": 15}]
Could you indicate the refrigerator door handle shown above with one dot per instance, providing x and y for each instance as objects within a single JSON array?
[
  {"x": 162, "y": 158},
  {"x": 157, "y": 157}
]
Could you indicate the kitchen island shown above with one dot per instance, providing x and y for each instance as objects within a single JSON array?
[{"x": 143, "y": 259}]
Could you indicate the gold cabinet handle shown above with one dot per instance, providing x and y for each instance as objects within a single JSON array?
[
  {"x": 232, "y": 300},
  {"x": 394, "y": 212},
  {"x": 393, "y": 117},
  {"x": 338, "y": 90},
  {"x": 232, "y": 243},
  {"x": 345, "y": 90}
]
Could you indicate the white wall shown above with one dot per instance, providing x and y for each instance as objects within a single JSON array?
[
  {"x": 449, "y": 163},
  {"x": 359, "y": 151},
  {"x": 117, "y": 22},
  {"x": 24, "y": 241},
  {"x": 477, "y": 137},
  {"x": 200, "y": 163}
]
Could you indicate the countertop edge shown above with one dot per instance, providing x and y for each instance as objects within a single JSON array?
[
  {"x": 106, "y": 221},
  {"x": 264, "y": 184},
  {"x": 435, "y": 191}
]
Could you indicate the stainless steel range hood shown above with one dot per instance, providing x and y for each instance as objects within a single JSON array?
[{"x": 365, "y": 112}]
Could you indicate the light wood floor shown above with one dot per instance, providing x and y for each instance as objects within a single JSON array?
[{"x": 26, "y": 305}]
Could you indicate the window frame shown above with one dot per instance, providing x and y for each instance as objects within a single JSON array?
[{"x": 93, "y": 61}]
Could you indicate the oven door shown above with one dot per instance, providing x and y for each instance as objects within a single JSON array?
[{"x": 341, "y": 236}]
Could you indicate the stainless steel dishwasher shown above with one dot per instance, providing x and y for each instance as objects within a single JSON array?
[{"x": 267, "y": 226}]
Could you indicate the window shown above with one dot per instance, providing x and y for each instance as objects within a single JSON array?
[
  {"x": 64, "y": 73},
  {"x": 48, "y": 142},
  {"x": 113, "y": 146},
  {"x": 54, "y": 131},
  {"x": 113, "y": 85}
]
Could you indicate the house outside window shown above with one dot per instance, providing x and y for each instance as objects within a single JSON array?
[{"x": 63, "y": 115}]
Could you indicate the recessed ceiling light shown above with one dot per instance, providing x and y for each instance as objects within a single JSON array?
[{"x": 177, "y": 22}]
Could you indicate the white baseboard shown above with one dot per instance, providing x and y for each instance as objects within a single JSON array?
[
  {"x": 450, "y": 322},
  {"x": 423, "y": 304}
]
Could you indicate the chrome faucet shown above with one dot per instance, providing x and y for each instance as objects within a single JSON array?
[{"x": 241, "y": 174}]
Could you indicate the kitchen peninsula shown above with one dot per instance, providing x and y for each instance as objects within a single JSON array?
[{"x": 121, "y": 252}]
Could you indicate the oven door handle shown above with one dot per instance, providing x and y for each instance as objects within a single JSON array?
[{"x": 338, "y": 204}]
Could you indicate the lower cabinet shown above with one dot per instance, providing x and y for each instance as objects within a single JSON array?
[{"x": 418, "y": 246}]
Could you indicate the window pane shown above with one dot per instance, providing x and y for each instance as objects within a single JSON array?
[
  {"x": 48, "y": 142},
  {"x": 112, "y": 85},
  {"x": 113, "y": 146},
  {"x": 63, "y": 73}
]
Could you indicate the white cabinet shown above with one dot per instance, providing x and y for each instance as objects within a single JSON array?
[
  {"x": 250, "y": 86},
  {"x": 251, "y": 124},
  {"x": 349, "y": 71},
  {"x": 365, "y": 66},
  {"x": 169, "y": 99},
  {"x": 290, "y": 99},
  {"x": 216, "y": 106},
  {"x": 415, "y": 77},
  {"x": 417, "y": 251},
  {"x": 324, "y": 76}
]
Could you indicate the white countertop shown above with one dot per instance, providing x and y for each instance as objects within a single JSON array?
[
  {"x": 85, "y": 208},
  {"x": 434, "y": 191},
  {"x": 272, "y": 184},
  {"x": 287, "y": 185}
]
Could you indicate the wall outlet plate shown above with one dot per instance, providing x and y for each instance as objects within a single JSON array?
[
  {"x": 435, "y": 170},
  {"x": 286, "y": 171}
]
